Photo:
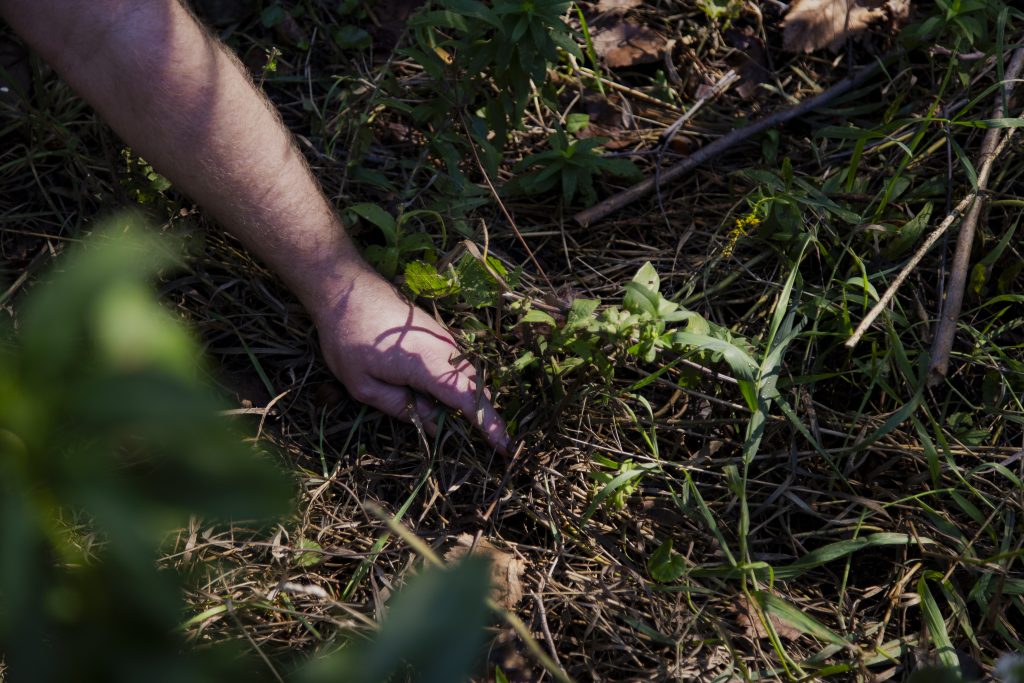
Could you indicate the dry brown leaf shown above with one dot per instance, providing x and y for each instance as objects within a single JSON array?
[
  {"x": 813, "y": 24},
  {"x": 617, "y": 5},
  {"x": 754, "y": 628},
  {"x": 607, "y": 121},
  {"x": 750, "y": 59},
  {"x": 627, "y": 44},
  {"x": 506, "y": 569}
]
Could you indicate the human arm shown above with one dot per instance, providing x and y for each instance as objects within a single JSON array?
[{"x": 183, "y": 102}]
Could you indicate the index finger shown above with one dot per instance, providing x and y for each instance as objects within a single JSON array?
[{"x": 456, "y": 386}]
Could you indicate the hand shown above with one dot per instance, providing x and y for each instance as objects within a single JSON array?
[{"x": 394, "y": 357}]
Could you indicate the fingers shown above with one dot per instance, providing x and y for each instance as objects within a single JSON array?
[
  {"x": 456, "y": 387},
  {"x": 396, "y": 402},
  {"x": 427, "y": 411},
  {"x": 386, "y": 398}
]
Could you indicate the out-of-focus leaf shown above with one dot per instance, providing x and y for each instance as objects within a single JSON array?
[
  {"x": 435, "y": 625},
  {"x": 581, "y": 313},
  {"x": 104, "y": 413},
  {"x": 312, "y": 555}
]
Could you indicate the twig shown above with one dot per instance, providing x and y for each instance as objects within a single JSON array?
[
  {"x": 713, "y": 149},
  {"x": 992, "y": 145},
  {"x": 962, "y": 56},
  {"x": 925, "y": 247},
  {"x": 32, "y": 266},
  {"x": 501, "y": 204},
  {"x": 547, "y": 629},
  {"x": 723, "y": 84}
]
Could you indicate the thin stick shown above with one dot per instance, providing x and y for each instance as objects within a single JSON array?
[
  {"x": 905, "y": 272},
  {"x": 992, "y": 145},
  {"x": 713, "y": 149},
  {"x": 501, "y": 204}
]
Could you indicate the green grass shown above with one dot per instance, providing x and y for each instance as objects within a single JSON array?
[{"x": 669, "y": 496}]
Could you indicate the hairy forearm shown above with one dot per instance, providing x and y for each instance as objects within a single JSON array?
[{"x": 185, "y": 104}]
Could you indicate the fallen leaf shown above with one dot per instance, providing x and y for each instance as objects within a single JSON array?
[
  {"x": 813, "y": 24},
  {"x": 607, "y": 121},
  {"x": 617, "y": 5},
  {"x": 506, "y": 569},
  {"x": 750, "y": 60},
  {"x": 753, "y": 627},
  {"x": 628, "y": 44}
]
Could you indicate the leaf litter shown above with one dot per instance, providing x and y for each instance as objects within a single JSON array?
[
  {"x": 812, "y": 25},
  {"x": 506, "y": 569}
]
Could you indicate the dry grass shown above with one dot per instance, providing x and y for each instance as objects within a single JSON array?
[{"x": 589, "y": 597}]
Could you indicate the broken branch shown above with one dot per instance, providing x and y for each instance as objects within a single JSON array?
[
  {"x": 994, "y": 142},
  {"x": 713, "y": 149},
  {"x": 964, "y": 204}
]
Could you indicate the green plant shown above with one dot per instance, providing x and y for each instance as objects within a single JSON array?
[
  {"x": 721, "y": 11},
  {"x": 108, "y": 439},
  {"x": 143, "y": 184},
  {"x": 474, "y": 280},
  {"x": 484, "y": 63},
  {"x": 484, "y": 58},
  {"x": 570, "y": 166},
  {"x": 399, "y": 245},
  {"x": 638, "y": 330},
  {"x": 968, "y": 20}
]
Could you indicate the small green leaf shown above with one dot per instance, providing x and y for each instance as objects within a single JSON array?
[
  {"x": 627, "y": 478},
  {"x": 742, "y": 365},
  {"x": 379, "y": 217},
  {"x": 524, "y": 361},
  {"x": 313, "y": 554},
  {"x": 574, "y": 123},
  {"x": 272, "y": 16},
  {"x": 422, "y": 279},
  {"x": 648, "y": 277},
  {"x": 478, "y": 286},
  {"x": 351, "y": 38},
  {"x": 641, "y": 300},
  {"x": 536, "y": 316},
  {"x": 665, "y": 565},
  {"x": 581, "y": 313}
]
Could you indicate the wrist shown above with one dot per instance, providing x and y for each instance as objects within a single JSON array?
[{"x": 324, "y": 285}]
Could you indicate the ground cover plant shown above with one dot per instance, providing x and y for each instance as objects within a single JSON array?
[{"x": 713, "y": 484}]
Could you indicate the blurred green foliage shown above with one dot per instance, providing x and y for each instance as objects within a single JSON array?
[
  {"x": 434, "y": 627},
  {"x": 108, "y": 439}
]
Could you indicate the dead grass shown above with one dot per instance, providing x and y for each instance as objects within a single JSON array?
[{"x": 947, "y": 476}]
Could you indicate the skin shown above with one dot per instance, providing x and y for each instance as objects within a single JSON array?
[{"x": 184, "y": 103}]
